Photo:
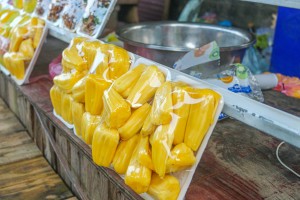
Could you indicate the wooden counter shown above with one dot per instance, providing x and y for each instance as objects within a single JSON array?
[
  {"x": 238, "y": 163},
  {"x": 24, "y": 172}
]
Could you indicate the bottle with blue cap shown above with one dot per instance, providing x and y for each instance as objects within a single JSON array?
[{"x": 242, "y": 75}]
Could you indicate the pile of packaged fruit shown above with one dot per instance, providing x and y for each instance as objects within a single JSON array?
[
  {"x": 137, "y": 119},
  {"x": 27, "y": 5},
  {"x": 20, "y": 36},
  {"x": 85, "y": 17}
]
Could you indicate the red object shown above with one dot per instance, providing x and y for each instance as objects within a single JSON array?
[{"x": 55, "y": 67}]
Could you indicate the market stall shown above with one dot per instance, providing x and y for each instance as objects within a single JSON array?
[
  {"x": 239, "y": 161},
  {"x": 229, "y": 160}
]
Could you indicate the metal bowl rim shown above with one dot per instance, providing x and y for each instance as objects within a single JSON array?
[{"x": 125, "y": 28}]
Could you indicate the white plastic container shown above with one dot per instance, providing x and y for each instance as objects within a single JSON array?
[{"x": 95, "y": 17}]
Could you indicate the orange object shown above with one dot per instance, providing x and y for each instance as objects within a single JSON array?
[
  {"x": 227, "y": 79},
  {"x": 289, "y": 86}
]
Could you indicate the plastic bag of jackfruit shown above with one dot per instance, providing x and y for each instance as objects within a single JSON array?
[
  {"x": 148, "y": 127},
  {"x": 25, "y": 35},
  {"x": 152, "y": 134},
  {"x": 42, "y": 8},
  {"x": 88, "y": 66}
]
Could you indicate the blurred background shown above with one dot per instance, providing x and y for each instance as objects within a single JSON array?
[{"x": 260, "y": 19}]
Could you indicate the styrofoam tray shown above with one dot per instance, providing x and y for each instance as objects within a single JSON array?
[
  {"x": 4, "y": 70},
  {"x": 33, "y": 60},
  {"x": 70, "y": 126},
  {"x": 57, "y": 30},
  {"x": 160, "y": 66},
  {"x": 6, "y": 5},
  {"x": 76, "y": 8},
  {"x": 60, "y": 33},
  {"x": 31, "y": 63},
  {"x": 103, "y": 22},
  {"x": 45, "y": 6},
  {"x": 184, "y": 176},
  {"x": 58, "y": 20}
]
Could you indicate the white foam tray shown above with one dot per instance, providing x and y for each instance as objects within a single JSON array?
[
  {"x": 184, "y": 176},
  {"x": 104, "y": 21},
  {"x": 32, "y": 61}
]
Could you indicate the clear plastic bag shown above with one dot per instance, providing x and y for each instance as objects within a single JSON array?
[
  {"x": 177, "y": 111},
  {"x": 95, "y": 17},
  {"x": 56, "y": 7},
  {"x": 72, "y": 15},
  {"x": 85, "y": 70},
  {"x": 16, "y": 64},
  {"x": 88, "y": 125},
  {"x": 257, "y": 64},
  {"x": 18, "y": 4},
  {"x": 25, "y": 35},
  {"x": 140, "y": 107},
  {"x": 4, "y": 45},
  {"x": 29, "y": 5},
  {"x": 42, "y": 8}
]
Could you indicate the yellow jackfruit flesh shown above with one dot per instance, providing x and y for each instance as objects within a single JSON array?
[
  {"x": 167, "y": 188},
  {"x": 123, "y": 154},
  {"x": 105, "y": 142}
]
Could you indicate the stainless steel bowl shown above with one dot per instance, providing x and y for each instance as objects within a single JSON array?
[{"x": 166, "y": 42}]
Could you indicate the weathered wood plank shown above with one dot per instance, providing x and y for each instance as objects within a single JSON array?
[
  {"x": 31, "y": 179},
  {"x": 15, "y": 144},
  {"x": 116, "y": 193},
  {"x": 26, "y": 170},
  {"x": 25, "y": 114},
  {"x": 3, "y": 87},
  {"x": 14, "y": 139},
  {"x": 5, "y": 112},
  {"x": 97, "y": 180},
  {"x": 46, "y": 187},
  {"x": 75, "y": 162},
  {"x": 24, "y": 173},
  {"x": 84, "y": 171},
  {"x": 48, "y": 149},
  {"x": 1, "y": 100},
  {"x": 12, "y": 96},
  {"x": 38, "y": 132},
  {"x": 63, "y": 130},
  {"x": 10, "y": 124},
  {"x": 64, "y": 145},
  {"x": 35, "y": 189},
  {"x": 17, "y": 153}
]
